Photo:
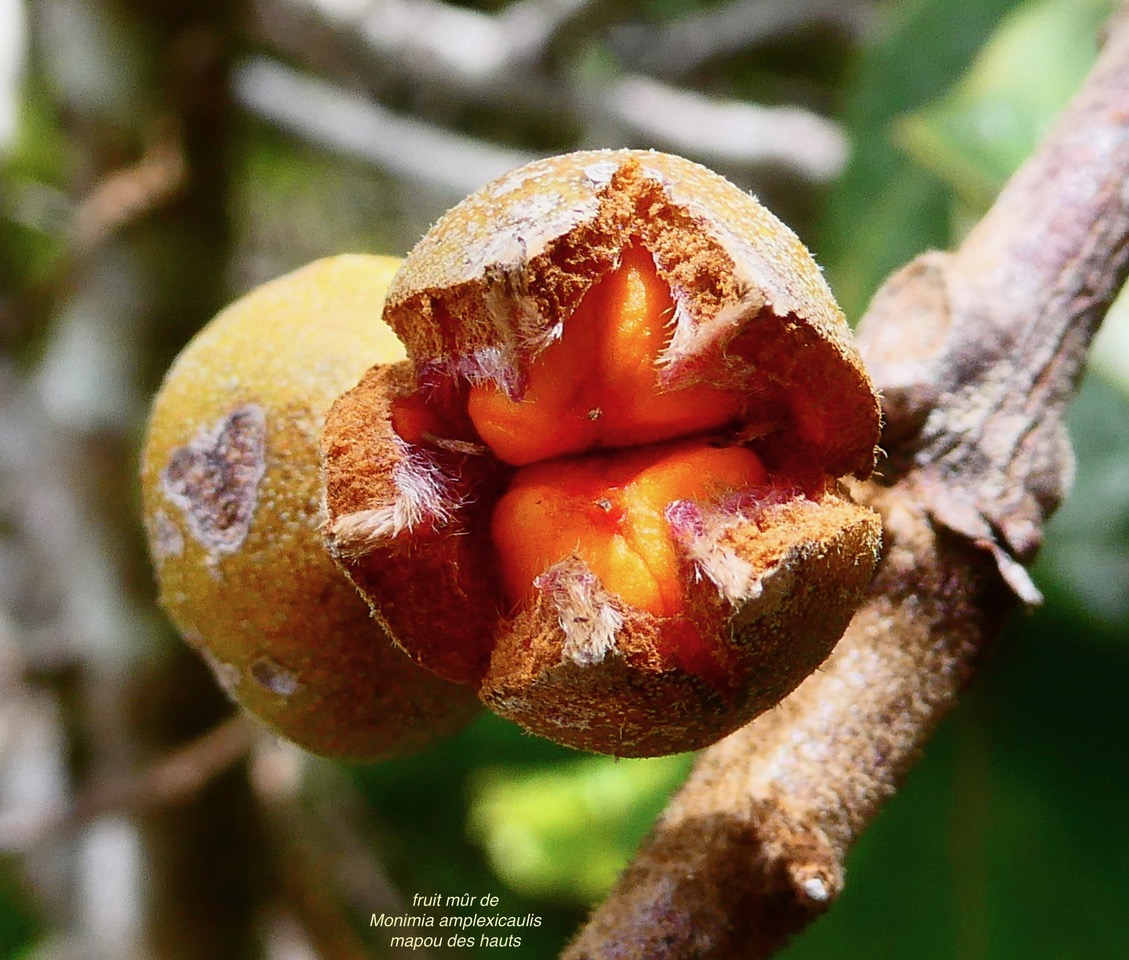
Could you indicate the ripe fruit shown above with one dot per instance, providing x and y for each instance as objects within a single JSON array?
[
  {"x": 233, "y": 495},
  {"x": 604, "y": 489}
]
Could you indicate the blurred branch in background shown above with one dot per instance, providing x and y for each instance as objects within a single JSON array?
[
  {"x": 333, "y": 118},
  {"x": 460, "y": 56},
  {"x": 332, "y": 877},
  {"x": 170, "y": 780},
  {"x": 13, "y": 41},
  {"x": 683, "y": 45},
  {"x": 728, "y": 133},
  {"x": 126, "y": 195},
  {"x": 142, "y": 257}
]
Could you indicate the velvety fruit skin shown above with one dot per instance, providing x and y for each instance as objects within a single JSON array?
[
  {"x": 750, "y": 346},
  {"x": 233, "y": 503}
]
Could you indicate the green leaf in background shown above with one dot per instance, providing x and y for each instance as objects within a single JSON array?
[
  {"x": 885, "y": 209},
  {"x": 1085, "y": 554},
  {"x": 978, "y": 133},
  {"x": 566, "y": 832},
  {"x": 1007, "y": 842},
  {"x": 34, "y": 209},
  {"x": 1109, "y": 357},
  {"x": 18, "y": 928},
  {"x": 420, "y": 806}
]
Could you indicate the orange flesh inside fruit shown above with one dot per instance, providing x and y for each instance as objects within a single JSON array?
[
  {"x": 598, "y": 385},
  {"x": 602, "y": 447},
  {"x": 413, "y": 421},
  {"x": 609, "y": 510}
]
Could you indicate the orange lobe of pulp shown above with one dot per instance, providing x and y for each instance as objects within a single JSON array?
[
  {"x": 609, "y": 510},
  {"x": 598, "y": 385},
  {"x": 413, "y": 421}
]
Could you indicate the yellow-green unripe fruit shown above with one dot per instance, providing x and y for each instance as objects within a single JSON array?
[{"x": 233, "y": 505}]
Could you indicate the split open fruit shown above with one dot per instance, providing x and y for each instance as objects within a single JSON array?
[{"x": 604, "y": 489}]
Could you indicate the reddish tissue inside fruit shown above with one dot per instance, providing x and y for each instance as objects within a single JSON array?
[
  {"x": 598, "y": 385},
  {"x": 610, "y": 510},
  {"x": 414, "y": 421},
  {"x": 602, "y": 447}
]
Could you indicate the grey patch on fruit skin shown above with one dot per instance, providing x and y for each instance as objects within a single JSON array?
[
  {"x": 599, "y": 174},
  {"x": 423, "y": 492},
  {"x": 733, "y": 575},
  {"x": 585, "y": 612},
  {"x": 227, "y": 675},
  {"x": 167, "y": 540},
  {"x": 751, "y": 592},
  {"x": 768, "y": 592},
  {"x": 274, "y": 678},
  {"x": 194, "y": 638},
  {"x": 214, "y": 480},
  {"x": 693, "y": 336}
]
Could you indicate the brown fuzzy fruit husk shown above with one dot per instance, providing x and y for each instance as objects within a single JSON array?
[
  {"x": 232, "y": 498},
  {"x": 770, "y": 578},
  {"x": 793, "y": 578},
  {"x": 408, "y": 526},
  {"x": 486, "y": 289}
]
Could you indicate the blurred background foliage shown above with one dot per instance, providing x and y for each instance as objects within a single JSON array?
[{"x": 156, "y": 159}]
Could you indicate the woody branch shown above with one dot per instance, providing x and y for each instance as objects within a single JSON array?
[{"x": 977, "y": 353}]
